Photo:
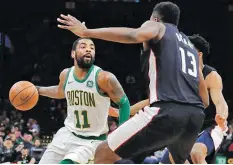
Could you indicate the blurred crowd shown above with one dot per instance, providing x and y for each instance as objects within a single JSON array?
[{"x": 19, "y": 139}]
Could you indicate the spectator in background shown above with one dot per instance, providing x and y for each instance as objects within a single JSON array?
[
  {"x": 27, "y": 138},
  {"x": 24, "y": 157},
  {"x": 35, "y": 79},
  {"x": 13, "y": 139},
  {"x": 229, "y": 139},
  {"x": 227, "y": 143},
  {"x": 1, "y": 145},
  {"x": 7, "y": 126},
  {"x": 230, "y": 134},
  {"x": 37, "y": 150},
  {"x": 8, "y": 43},
  {"x": 8, "y": 151},
  {"x": 2, "y": 130},
  {"x": 130, "y": 79},
  {"x": 18, "y": 136},
  {"x": 112, "y": 124},
  {"x": 34, "y": 128},
  {"x": 18, "y": 149}
]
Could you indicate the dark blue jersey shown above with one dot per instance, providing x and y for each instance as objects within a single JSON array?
[
  {"x": 171, "y": 69},
  {"x": 210, "y": 111}
]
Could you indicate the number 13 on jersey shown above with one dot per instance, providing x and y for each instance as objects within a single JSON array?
[
  {"x": 191, "y": 59},
  {"x": 85, "y": 123}
]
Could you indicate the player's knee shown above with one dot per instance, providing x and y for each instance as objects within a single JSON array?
[
  {"x": 101, "y": 152},
  {"x": 104, "y": 155},
  {"x": 101, "y": 148},
  {"x": 197, "y": 154}
]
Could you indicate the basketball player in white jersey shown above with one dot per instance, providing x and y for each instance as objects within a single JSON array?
[{"x": 88, "y": 91}]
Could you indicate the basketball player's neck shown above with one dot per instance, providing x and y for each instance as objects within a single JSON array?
[
  {"x": 202, "y": 65},
  {"x": 80, "y": 72}
]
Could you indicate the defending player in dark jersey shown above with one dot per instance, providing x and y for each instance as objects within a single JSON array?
[
  {"x": 210, "y": 139},
  {"x": 175, "y": 84}
]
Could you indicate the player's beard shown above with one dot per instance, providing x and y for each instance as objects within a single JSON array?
[{"x": 82, "y": 63}]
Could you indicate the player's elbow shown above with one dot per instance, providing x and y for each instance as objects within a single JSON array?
[
  {"x": 137, "y": 36},
  {"x": 134, "y": 38}
]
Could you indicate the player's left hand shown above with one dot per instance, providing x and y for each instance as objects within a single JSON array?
[
  {"x": 222, "y": 123},
  {"x": 113, "y": 112},
  {"x": 71, "y": 23}
]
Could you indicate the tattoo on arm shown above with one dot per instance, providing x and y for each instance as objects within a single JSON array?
[{"x": 115, "y": 90}]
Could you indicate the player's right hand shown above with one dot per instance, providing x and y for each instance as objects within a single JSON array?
[{"x": 71, "y": 23}]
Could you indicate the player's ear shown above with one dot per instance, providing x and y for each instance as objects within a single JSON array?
[
  {"x": 154, "y": 19},
  {"x": 73, "y": 54},
  {"x": 200, "y": 54}
]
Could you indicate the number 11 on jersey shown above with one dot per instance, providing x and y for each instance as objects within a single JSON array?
[{"x": 85, "y": 119}]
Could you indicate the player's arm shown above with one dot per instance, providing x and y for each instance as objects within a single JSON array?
[
  {"x": 133, "y": 109},
  {"x": 138, "y": 106},
  {"x": 109, "y": 84},
  {"x": 149, "y": 30},
  {"x": 203, "y": 91},
  {"x": 56, "y": 92},
  {"x": 215, "y": 86}
]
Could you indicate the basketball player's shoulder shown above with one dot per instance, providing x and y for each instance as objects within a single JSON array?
[
  {"x": 104, "y": 78},
  {"x": 64, "y": 73},
  {"x": 158, "y": 27},
  {"x": 210, "y": 68},
  {"x": 153, "y": 23},
  {"x": 214, "y": 79},
  {"x": 213, "y": 73}
]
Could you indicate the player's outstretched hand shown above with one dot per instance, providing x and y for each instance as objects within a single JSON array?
[{"x": 71, "y": 23}]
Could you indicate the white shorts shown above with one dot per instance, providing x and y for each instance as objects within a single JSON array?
[
  {"x": 217, "y": 135},
  {"x": 66, "y": 145}
]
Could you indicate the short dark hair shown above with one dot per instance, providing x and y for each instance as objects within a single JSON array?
[
  {"x": 25, "y": 148},
  {"x": 200, "y": 43},
  {"x": 76, "y": 43},
  {"x": 168, "y": 12},
  {"x": 36, "y": 139}
]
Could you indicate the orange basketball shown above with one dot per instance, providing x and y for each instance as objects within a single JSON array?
[{"x": 23, "y": 95}]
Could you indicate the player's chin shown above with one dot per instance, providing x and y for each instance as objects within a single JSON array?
[{"x": 87, "y": 65}]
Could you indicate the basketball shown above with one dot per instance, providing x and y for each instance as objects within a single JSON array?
[{"x": 23, "y": 95}]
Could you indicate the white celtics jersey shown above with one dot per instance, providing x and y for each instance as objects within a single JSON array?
[{"x": 87, "y": 108}]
